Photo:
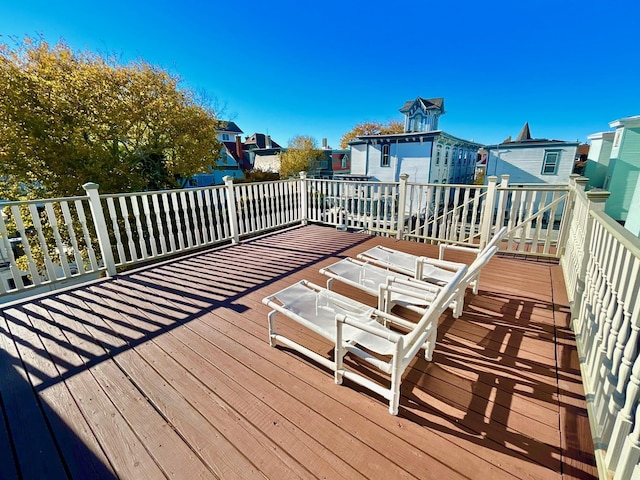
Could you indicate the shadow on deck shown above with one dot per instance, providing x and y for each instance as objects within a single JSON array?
[{"x": 167, "y": 372}]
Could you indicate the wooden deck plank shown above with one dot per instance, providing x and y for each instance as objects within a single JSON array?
[
  {"x": 177, "y": 353},
  {"x": 36, "y": 451},
  {"x": 196, "y": 425}
]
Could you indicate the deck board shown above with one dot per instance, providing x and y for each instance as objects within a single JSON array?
[{"x": 166, "y": 371}]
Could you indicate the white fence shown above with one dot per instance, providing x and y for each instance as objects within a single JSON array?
[
  {"x": 47, "y": 242},
  {"x": 601, "y": 266}
]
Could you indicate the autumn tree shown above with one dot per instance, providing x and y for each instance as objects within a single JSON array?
[
  {"x": 371, "y": 128},
  {"x": 67, "y": 118},
  {"x": 302, "y": 154}
]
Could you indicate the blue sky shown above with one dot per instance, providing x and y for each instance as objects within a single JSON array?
[{"x": 289, "y": 68}]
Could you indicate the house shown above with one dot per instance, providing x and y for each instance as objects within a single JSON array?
[
  {"x": 262, "y": 153},
  {"x": 231, "y": 161},
  {"x": 622, "y": 172},
  {"x": 426, "y": 154},
  {"x": 598, "y": 159},
  {"x": 532, "y": 160}
]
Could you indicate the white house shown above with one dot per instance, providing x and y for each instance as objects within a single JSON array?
[
  {"x": 426, "y": 154},
  {"x": 532, "y": 160}
]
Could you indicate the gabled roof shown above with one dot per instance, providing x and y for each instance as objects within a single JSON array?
[
  {"x": 427, "y": 104},
  {"x": 228, "y": 126}
]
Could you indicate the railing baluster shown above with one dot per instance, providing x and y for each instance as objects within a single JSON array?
[
  {"x": 82, "y": 218},
  {"x": 157, "y": 211},
  {"x": 53, "y": 225},
  {"x": 68, "y": 220},
  {"x": 151, "y": 237}
]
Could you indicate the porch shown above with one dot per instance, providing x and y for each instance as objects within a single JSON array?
[{"x": 166, "y": 371}]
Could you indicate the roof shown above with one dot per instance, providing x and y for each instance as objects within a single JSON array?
[
  {"x": 524, "y": 139},
  {"x": 259, "y": 140},
  {"x": 427, "y": 104},
  {"x": 412, "y": 136},
  {"x": 525, "y": 133},
  {"x": 231, "y": 148},
  {"x": 228, "y": 126}
]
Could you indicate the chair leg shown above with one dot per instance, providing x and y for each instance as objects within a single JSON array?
[
  {"x": 270, "y": 318},
  {"x": 394, "y": 401},
  {"x": 339, "y": 352},
  {"x": 430, "y": 345}
]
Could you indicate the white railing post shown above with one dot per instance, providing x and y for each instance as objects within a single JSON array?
[
  {"x": 233, "y": 211},
  {"x": 402, "y": 202},
  {"x": 101, "y": 227},
  {"x": 502, "y": 198},
  {"x": 487, "y": 211},
  {"x": 304, "y": 198}
]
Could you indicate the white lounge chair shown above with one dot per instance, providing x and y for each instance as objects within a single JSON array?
[
  {"x": 415, "y": 293},
  {"x": 425, "y": 268},
  {"x": 363, "y": 331},
  {"x": 374, "y": 280}
]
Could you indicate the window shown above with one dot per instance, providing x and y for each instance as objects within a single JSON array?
[
  {"x": 385, "y": 155},
  {"x": 344, "y": 161},
  {"x": 550, "y": 162},
  {"x": 225, "y": 137}
]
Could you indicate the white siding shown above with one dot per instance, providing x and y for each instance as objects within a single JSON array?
[
  {"x": 524, "y": 164},
  {"x": 415, "y": 160},
  {"x": 359, "y": 159}
]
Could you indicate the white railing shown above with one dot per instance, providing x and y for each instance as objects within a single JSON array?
[
  {"x": 45, "y": 243},
  {"x": 601, "y": 265},
  {"x": 55, "y": 240},
  {"x": 461, "y": 214}
]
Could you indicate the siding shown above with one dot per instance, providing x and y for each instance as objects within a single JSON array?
[
  {"x": 625, "y": 169},
  {"x": 524, "y": 164},
  {"x": 598, "y": 160}
]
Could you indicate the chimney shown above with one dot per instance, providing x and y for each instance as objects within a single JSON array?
[
  {"x": 239, "y": 147},
  {"x": 267, "y": 141},
  {"x": 324, "y": 143}
]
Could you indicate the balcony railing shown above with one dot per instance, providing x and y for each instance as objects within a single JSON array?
[{"x": 49, "y": 243}]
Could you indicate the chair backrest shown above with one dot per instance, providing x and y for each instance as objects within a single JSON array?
[
  {"x": 496, "y": 239},
  {"x": 434, "y": 310}
]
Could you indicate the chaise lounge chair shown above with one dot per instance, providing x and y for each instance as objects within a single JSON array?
[
  {"x": 416, "y": 293},
  {"x": 431, "y": 270},
  {"x": 360, "y": 330}
]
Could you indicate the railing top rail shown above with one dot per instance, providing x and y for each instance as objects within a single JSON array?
[
  {"x": 156, "y": 192},
  {"x": 368, "y": 182},
  {"x": 622, "y": 235},
  {"x": 41, "y": 200},
  {"x": 535, "y": 187},
  {"x": 451, "y": 185}
]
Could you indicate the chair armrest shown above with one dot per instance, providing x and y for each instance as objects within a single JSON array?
[
  {"x": 380, "y": 331},
  {"x": 427, "y": 287},
  {"x": 459, "y": 248},
  {"x": 455, "y": 266}
]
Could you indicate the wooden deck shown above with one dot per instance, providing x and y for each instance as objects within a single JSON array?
[{"x": 167, "y": 372}]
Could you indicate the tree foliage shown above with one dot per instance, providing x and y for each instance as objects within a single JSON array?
[
  {"x": 301, "y": 155},
  {"x": 371, "y": 128},
  {"x": 67, "y": 118}
]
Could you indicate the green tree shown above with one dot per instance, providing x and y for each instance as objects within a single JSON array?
[
  {"x": 371, "y": 128},
  {"x": 67, "y": 118},
  {"x": 302, "y": 154}
]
